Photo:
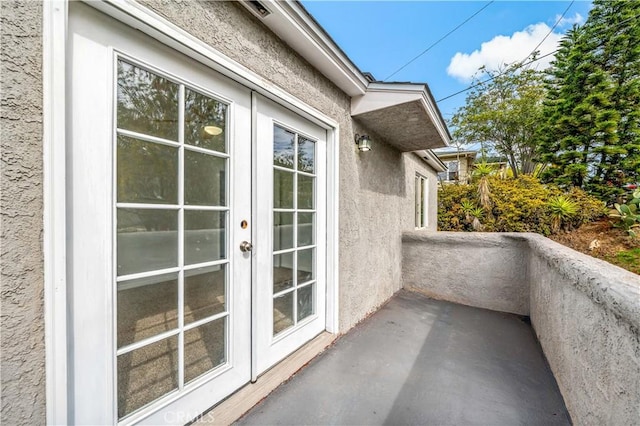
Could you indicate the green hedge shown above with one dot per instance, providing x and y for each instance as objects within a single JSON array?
[{"x": 517, "y": 205}]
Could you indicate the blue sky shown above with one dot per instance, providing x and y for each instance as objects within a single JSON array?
[{"x": 382, "y": 36}]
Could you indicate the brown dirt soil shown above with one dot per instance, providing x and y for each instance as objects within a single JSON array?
[{"x": 600, "y": 239}]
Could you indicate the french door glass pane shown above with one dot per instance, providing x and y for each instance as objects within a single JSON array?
[
  {"x": 204, "y": 292},
  {"x": 204, "y": 348},
  {"x": 282, "y": 312},
  {"x": 147, "y": 172},
  {"x": 146, "y": 374},
  {"x": 147, "y": 307},
  {"x": 305, "y": 229},
  {"x": 305, "y": 192},
  {"x": 305, "y": 265},
  {"x": 282, "y": 189},
  {"x": 293, "y": 229},
  {"x": 282, "y": 271},
  {"x": 147, "y": 103},
  {"x": 305, "y": 301},
  {"x": 204, "y": 179},
  {"x": 147, "y": 240},
  {"x": 283, "y": 147},
  {"x": 204, "y": 236},
  {"x": 205, "y": 122},
  {"x": 306, "y": 155},
  {"x": 282, "y": 231}
]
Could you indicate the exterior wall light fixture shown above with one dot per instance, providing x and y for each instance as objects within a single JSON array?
[{"x": 363, "y": 142}]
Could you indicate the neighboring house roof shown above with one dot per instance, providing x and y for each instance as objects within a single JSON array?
[
  {"x": 451, "y": 155},
  {"x": 404, "y": 114}
]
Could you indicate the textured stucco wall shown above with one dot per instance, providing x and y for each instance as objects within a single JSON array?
[
  {"x": 585, "y": 312},
  {"x": 487, "y": 270},
  {"x": 22, "y": 376},
  {"x": 376, "y": 204}
]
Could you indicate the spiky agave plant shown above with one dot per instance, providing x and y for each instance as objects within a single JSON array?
[
  {"x": 482, "y": 170},
  {"x": 477, "y": 213},
  {"x": 562, "y": 211},
  {"x": 467, "y": 208}
]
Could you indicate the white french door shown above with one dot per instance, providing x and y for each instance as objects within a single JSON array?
[
  {"x": 290, "y": 273},
  {"x": 172, "y": 178},
  {"x": 160, "y": 180}
]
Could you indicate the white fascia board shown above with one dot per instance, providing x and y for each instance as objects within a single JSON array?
[
  {"x": 290, "y": 22},
  {"x": 383, "y": 95},
  {"x": 429, "y": 157}
]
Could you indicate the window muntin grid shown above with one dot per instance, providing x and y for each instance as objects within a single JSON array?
[
  {"x": 294, "y": 229},
  {"x": 171, "y": 235}
]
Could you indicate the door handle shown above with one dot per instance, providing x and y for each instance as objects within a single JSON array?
[{"x": 246, "y": 246}]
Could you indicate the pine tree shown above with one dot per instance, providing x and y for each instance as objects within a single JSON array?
[{"x": 591, "y": 132}]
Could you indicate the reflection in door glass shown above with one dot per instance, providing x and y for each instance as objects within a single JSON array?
[
  {"x": 293, "y": 228},
  {"x": 305, "y": 229},
  {"x": 306, "y": 155},
  {"x": 172, "y": 212},
  {"x": 305, "y": 192},
  {"x": 147, "y": 172},
  {"x": 204, "y": 236},
  {"x": 204, "y": 179},
  {"x": 205, "y": 122},
  {"x": 147, "y": 240},
  {"x": 147, "y": 103},
  {"x": 282, "y": 231},
  {"x": 283, "y": 189},
  {"x": 283, "y": 147}
]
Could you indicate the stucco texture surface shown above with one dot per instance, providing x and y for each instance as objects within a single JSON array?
[
  {"x": 485, "y": 270},
  {"x": 376, "y": 204},
  {"x": 585, "y": 312},
  {"x": 22, "y": 352}
]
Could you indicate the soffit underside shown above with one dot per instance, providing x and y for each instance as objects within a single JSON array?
[{"x": 406, "y": 126}]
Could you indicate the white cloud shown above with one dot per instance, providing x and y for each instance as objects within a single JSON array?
[
  {"x": 567, "y": 22},
  {"x": 505, "y": 50}
]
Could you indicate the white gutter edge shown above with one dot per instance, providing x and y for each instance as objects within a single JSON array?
[{"x": 429, "y": 157}]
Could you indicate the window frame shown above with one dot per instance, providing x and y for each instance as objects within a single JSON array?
[{"x": 421, "y": 201}]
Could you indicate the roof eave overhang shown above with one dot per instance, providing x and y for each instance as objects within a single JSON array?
[
  {"x": 293, "y": 24},
  {"x": 375, "y": 104},
  {"x": 432, "y": 160},
  {"x": 403, "y": 114}
]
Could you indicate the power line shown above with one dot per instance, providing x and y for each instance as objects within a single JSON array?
[
  {"x": 527, "y": 63},
  {"x": 439, "y": 40},
  {"x": 493, "y": 77},
  {"x": 550, "y": 31}
]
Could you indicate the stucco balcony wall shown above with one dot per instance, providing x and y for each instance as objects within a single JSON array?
[{"x": 585, "y": 312}]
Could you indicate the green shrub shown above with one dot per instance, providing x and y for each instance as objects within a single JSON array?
[{"x": 517, "y": 205}]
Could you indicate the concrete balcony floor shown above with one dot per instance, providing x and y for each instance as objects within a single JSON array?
[{"x": 423, "y": 361}]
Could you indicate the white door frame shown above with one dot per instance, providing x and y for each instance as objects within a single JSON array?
[{"x": 54, "y": 34}]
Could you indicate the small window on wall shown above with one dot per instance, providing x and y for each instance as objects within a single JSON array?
[{"x": 421, "y": 191}]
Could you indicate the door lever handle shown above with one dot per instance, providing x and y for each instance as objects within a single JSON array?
[{"x": 246, "y": 246}]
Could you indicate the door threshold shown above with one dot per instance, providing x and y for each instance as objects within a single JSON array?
[{"x": 232, "y": 408}]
